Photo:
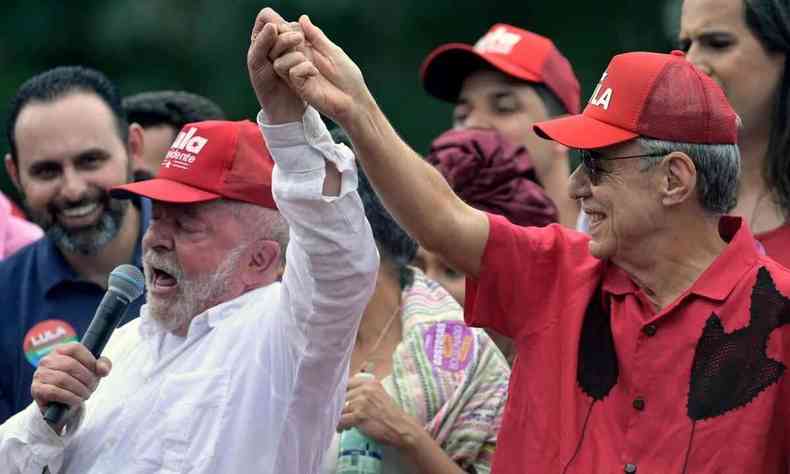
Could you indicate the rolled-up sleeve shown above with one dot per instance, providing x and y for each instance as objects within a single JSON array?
[
  {"x": 28, "y": 444},
  {"x": 330, "y": 273}
]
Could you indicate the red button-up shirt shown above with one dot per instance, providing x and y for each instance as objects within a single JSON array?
[{"x": 603, "y": 383}]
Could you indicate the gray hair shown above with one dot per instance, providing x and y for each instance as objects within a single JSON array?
[
  {"x": 263, "y": 223},
  {"x": 718, "y": 167}
]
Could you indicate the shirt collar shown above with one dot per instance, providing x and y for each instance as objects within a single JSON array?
[
  {"x": 213, "y": 316},
  {"x": 53, "y": 267},
  {"x": 740, "y": 255},
  {"x": 719, "y": 279},
  {"x": 55, "y": 270},
  {"x": 616, "y": 280}
]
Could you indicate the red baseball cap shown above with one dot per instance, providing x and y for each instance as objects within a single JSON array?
[
  {"x": 211, "y": 160},
  {"x": 660, "y": 96},
  {"x": 516, "y": 52}
]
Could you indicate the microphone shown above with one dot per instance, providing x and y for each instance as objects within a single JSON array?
[{"x": 126, "y": 284}]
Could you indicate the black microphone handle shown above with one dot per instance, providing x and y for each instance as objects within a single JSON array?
[
  {"x": 109, "y": 313},
  {"x": 55, "y": 412}
]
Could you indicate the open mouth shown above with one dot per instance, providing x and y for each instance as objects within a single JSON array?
[
  {"x": 81, "y": 215},
  {"x": 595, "y": 217},
  {"x": 80, "y": 211},
  {"x": 163, "y": 279}
]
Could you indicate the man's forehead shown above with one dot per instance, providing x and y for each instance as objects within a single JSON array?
[
  {"x": 65, "y": 127},
  {"x": 485, "y": 82}
]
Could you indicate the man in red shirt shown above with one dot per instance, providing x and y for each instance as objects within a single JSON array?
[{"x": 658, "y": 343}]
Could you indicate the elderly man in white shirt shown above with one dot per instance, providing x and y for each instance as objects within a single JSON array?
[{"x": 227, "y": 369}]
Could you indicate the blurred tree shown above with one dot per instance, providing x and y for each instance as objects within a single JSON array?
[{"x": 200, "y": 45}]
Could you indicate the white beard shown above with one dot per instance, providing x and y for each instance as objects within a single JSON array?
[{"x": 195, "y": 294}]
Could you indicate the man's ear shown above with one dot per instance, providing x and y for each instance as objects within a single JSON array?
[
  {"x": 13, "y": 171},
  {"x": 263, "y": 263},
  {"x": 680, "y": 179},
  {"x": 136, "y": 145}
]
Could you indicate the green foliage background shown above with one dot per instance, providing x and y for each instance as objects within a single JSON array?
[{"x": 200, "y": 45}]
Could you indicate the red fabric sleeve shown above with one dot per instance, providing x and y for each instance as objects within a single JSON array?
[{"x": 527, "y": 275}]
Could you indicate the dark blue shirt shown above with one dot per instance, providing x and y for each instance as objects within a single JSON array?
[{"x": 44, "y": 303}]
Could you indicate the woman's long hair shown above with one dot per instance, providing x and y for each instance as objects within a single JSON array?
[{"x": 769, "y": 21}]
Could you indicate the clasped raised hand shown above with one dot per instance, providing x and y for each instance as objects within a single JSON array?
[
  {"x": 271, "y": 37},
  {"x": 318, "y": 71}
]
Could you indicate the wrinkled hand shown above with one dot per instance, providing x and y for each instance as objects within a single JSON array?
[
  {"x": 323, "y": 75},
  {"x": 271, "y": 35},
  {"x": 369, "y": 408},
  {"x": 69, "y": 375}
]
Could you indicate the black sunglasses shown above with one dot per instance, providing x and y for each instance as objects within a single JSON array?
[{"x": 590, "y": 160}]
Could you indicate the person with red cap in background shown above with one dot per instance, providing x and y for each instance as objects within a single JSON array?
[
  {"x": 500, "y": 86},
  {"x": 227, "y": 369},
  {"x": 659, "y": 342},
  {"x": 508, "y": 80}
]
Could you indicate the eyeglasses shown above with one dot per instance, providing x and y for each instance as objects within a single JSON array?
[{"x": 590, "y": 160}]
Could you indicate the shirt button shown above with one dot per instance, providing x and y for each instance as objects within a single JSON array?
[
  {"x": 650, "y": 330},
  {"x": 639, "y": 404},
  {"x": 629, "y": 468}
]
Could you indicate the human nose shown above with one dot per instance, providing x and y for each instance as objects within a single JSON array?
[
  {"x": 159, "y": 236},
  {"x": 579, "y": 184},
  {"x": 695, "y": 56},
  {"x": 74, "y": 185}
]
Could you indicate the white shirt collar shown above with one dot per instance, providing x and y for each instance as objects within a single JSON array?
[{"x": 208, "y": 319}]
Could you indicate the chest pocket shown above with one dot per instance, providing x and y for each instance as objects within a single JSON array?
[{"x": 186, "y": 419}]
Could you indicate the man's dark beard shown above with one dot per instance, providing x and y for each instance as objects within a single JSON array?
[{"x": 87, "y": 240}]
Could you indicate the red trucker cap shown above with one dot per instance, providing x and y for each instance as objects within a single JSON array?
[
  {"x": 516, "y": 52},
  {"x": 652, "y": 95},
  {"x": 211, "y": 160}
]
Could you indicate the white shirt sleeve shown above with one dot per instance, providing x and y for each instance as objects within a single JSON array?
[
  {"x": 28, "y": 444},
  {"x": 331, "y": 266}
]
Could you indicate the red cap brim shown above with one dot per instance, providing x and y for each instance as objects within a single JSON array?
[
  {"x": 444, "y": 70},
  {"x": 581, "y": 131},
  {"x": 163, "y": 190}
]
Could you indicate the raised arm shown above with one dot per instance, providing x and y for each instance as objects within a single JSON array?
[
  {"x": 416, "y": 194},
  {"x": 331, "y": 262}
]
